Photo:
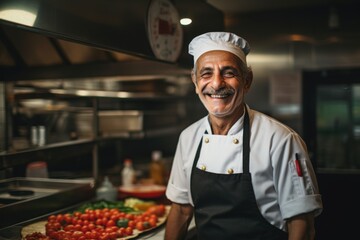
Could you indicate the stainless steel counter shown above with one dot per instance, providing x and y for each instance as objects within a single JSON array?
[{"x": 23, "y": 199}]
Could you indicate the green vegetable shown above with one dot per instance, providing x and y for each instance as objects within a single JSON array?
[
  {"x": 122, "y": 222},
  {"x": 101, "y": 204}
]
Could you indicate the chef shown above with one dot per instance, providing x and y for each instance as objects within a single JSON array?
[{"x": 240, "y": 173}]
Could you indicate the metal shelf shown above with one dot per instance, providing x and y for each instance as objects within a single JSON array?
[
  {"x": 76, "y": 147},
  {"x": 56, "y": 150}
]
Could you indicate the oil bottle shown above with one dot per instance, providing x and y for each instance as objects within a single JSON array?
[{"x": 157, "y": 168}]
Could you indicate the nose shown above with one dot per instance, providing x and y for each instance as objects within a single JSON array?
[{"x": 217, "y": 82}]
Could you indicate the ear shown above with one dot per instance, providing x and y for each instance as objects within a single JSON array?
[
  {"x": 248, "y": 80},
  {"x": 193, "y": 78}
]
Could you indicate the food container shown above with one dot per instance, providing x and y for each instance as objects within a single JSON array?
[{"x": 120, "y": 121}]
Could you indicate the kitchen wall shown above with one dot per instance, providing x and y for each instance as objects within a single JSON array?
[{"x": 287, "y": 41}]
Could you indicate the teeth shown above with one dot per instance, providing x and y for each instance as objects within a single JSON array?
[{"x": 218, "y": 96}]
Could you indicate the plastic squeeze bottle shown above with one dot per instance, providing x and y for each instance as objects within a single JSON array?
[
  {"x": 107, "y": 191},
  {"x": 128, "y": 173}
]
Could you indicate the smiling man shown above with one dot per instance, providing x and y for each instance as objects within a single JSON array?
[{"x": 240, "y": 173}]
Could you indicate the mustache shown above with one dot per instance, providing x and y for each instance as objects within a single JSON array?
[{"x": 223, "y": 91}]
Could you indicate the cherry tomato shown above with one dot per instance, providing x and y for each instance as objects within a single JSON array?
[
  {"x": 132, "y": 224},
  {"x": 158, "y": 210},
  {"x": 140, "y": 226},
  {"x": 128, "y": 231},
  {"x": 152, "y": 222},
  {"x": 110, "y": 223}
]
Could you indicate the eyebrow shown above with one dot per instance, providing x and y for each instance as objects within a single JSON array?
[{"x": 206, "y": 69}]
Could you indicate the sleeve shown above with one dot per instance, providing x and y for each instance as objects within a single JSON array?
[
  {"x": 295, "y": 179},
  {"x": 177, "y": 189}
]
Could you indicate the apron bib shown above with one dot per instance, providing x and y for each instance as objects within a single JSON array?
[{"x": 225, "y": 205}]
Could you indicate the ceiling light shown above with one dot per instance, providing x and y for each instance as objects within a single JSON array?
[
  {"x": 185, "y": 21},
  {"x": 18, "y": 16}
]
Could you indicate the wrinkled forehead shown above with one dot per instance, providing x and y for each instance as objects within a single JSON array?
[{"x": 218, "y": 59}]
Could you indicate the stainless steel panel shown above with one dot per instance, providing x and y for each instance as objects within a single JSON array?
[
  {"x": 32, "y": 197},
  {"x": 122, "y": 121}
]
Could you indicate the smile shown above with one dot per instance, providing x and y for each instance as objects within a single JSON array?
[{"x": 219, "y": 95}]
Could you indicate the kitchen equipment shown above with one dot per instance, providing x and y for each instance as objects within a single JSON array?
[
  {"x": 24, "y": 198},
  {"x": 120, "y": 121},
  {"x": 143, "y": 191}
]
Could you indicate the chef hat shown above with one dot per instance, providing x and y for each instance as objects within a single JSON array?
[{"x": 219, "y": 41}]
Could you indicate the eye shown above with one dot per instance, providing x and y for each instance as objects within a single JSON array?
[
  {"x": 229, "y": 74},
  {"x": 206, "y": 74}
]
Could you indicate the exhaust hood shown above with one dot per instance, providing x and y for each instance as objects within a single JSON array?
[{"x": 69, "y": 36}]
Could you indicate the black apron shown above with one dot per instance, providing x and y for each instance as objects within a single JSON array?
[{"x": 225, "y": 205}]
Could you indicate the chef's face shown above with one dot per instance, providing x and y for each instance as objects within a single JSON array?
[{"x": 221, "y": 83}]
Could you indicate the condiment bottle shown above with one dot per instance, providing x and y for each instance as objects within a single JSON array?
[
  {"x": 157, "y": 168},
  {"x": 128, "y": 173},
  {"x": 107, "y": 191}
]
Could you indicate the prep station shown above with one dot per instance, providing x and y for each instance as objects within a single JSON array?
[
  {"x": 22, "y": 199},
  {"x": 84, "y": 86}
]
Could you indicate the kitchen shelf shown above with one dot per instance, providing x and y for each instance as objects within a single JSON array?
[
  {"x": 76, "y": 93},
  {"x": 112, "y": 94},
  {"x": 81, "y": 100},
  {"x": 141, "y": 134},
  {"x": 56, "y": 150},
  {"x": 76, "y": 147}
]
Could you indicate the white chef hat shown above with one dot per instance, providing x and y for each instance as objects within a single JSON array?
[{"x": 225, "y": 41}]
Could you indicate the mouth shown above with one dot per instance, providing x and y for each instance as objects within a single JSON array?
[{"x": 220, "y": 94}]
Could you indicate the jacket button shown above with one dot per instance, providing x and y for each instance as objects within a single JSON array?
[
  {"x": 235, "y": 141},
  {"x": 203, "y": 167},
  {"x": 230, "y": 171},
  {"x": 206, "y": 140}
]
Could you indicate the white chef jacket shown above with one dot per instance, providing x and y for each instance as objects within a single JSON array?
[{"x": 280, "y": 192}]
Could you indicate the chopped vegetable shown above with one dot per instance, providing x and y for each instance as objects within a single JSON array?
[
  {"x": 101, "y": 204},
  {"x": 122, "y": 222}
]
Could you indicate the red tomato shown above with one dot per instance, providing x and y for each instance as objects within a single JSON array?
[
  {"x": 91, "y": 226},
  {"x": 140, "y": 226},
  {"x": 158, "y": 210},
  {"x": 113, "y": 235},
  {"x": 84, "y": 216},
  {"x": 121, "y": 232},
  {"x": 91, "y": 216},
  {"x": 77, "y": 227},
  {"x": 130, "y": 216},
  {"x": 110, "y": 223},
  {"x": 51, "y": 218},
  {"x": 128, "y": 231},
  {"x": 77, "y": 214},
  {"x": 114, "y": 217},
  {"x": 84, "y": 228},
  {"x": 132, "y": 224},
  {"x": 153, "y": 216},
  {"x": 77, "y": 234},
  {"x": 152, "y": 222},
  {"x": 99, "y": 221},
  {"x": 69, "y": 227}
]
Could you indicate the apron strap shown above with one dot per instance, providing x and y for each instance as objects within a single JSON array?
[{"x": 246, "y": 142}]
